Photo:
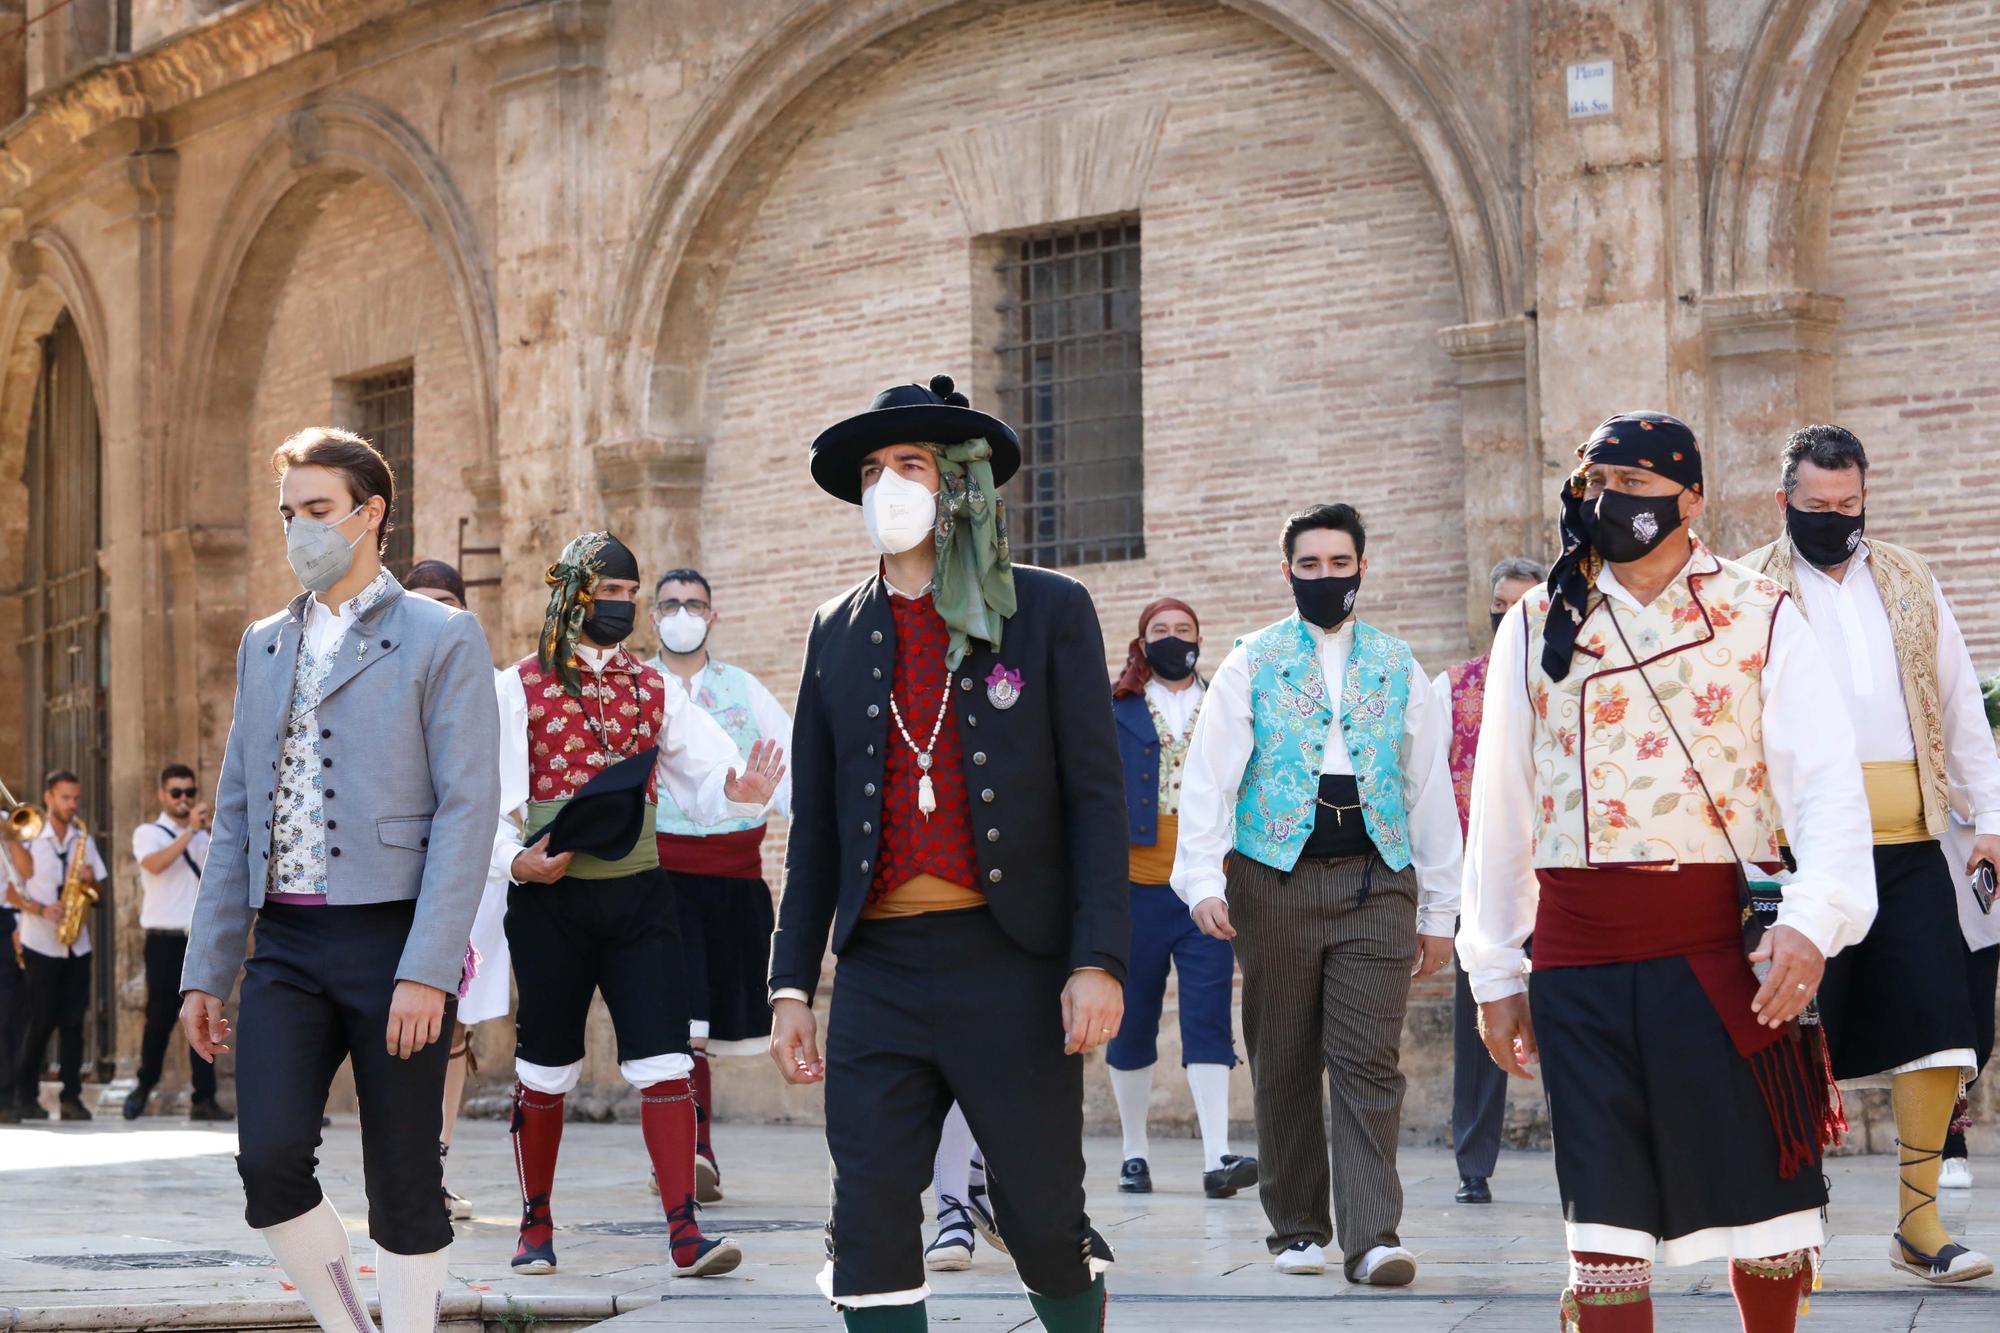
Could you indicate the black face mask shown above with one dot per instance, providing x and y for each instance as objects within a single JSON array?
[
  {"x": 609, "y": 623},
  {"x": 1624, "y": 528},
  {"x": 1826, "y": 539},
  {"x": 1498, "y": 616},
  {"x": 1328, "y": 601},
  {"x": 1172, "y": 658}
]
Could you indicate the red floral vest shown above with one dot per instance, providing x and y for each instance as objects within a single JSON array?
[
  {"x": 911, "y": 844},
  {"x": 1468, "y": 702},
  {"x": 626, "y": 706}
]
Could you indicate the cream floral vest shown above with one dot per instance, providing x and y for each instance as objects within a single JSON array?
[{"x": 1612, "y": 785}]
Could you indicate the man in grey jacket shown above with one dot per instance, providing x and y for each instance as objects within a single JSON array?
[{"x": 368, "y": 718}]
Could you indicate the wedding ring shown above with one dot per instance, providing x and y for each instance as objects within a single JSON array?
[{"x": 1802, "y": 985}]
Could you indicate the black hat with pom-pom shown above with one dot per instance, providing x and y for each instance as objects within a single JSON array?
[{"x": 908, "y": 414}]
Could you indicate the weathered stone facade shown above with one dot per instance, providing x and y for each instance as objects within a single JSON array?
[{"x": 637, "y": 251}]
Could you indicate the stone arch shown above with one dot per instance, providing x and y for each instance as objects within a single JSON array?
[
  {"x": 50, "y": 278},
  {"x": 1770, "y": 189},
  {"x": 315, "y": 150},
  {"x": 714, "y": 177}
]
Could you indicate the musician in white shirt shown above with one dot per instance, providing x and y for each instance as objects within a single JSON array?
[{"x": 170, "y": 850}]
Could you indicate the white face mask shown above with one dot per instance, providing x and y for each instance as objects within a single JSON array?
[
  {"x": 683, "y": 631},
  {"x": 899, "y": 513},
  {"x": 319, "y": 555}
]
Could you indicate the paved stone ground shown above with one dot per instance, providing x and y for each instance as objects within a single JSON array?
[{"x": 116, "y": 1226}]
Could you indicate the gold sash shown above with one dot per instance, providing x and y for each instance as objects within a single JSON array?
[
  {"x": 1895, "y": 801},
  {"x": 921, "y": 894}
]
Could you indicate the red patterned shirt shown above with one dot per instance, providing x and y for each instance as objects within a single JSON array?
[
  {"x": 911, "y": 844},
  {"x": 571, "y": 740}
]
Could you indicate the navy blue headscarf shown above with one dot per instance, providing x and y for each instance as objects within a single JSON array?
[{"x": 1652, "y": 441}]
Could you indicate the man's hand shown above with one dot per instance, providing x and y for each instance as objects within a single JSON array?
[
  {"x": 794, "y": 1042},
  {"x": 1093, "y": 1004},
  {"x": 204, "y": 815},
  {"x": 1212, "y": 915},
  {"x": 1985, "y": 848},
  {"x": 761, "y": 775},
  {"x": 52, "y": 912},
  {"x": 534, "y": 865},
  {"x": 1796, "y": 967},
  {"x": 1433, "y": 952},
  {"x": 416, "y": 1018},
  {"x": 201, "y": 1019},
  {"x": 1508, "y": 1034}
]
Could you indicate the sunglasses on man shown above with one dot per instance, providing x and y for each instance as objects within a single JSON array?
[{"x": 181, "y": 793}]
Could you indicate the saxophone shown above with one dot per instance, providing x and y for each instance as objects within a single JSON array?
[{"x": 78, "y": 894}]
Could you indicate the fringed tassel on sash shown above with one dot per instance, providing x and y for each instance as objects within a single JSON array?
[{"x": 1795, "y": 1075}]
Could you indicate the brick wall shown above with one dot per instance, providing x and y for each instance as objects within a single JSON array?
[
  {"x": 1915, "y": 228},
  {"x": 1295, "y": 274},
  {"x": 364, "y": 292}
]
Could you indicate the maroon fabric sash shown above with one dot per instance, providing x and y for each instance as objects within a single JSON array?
[{"x": 1591, "y": 917}]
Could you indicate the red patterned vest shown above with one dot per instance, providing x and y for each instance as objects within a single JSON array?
[
  {"x": 625, "y": 706},
  {"x": 913, "y": 845},
  {"x": 1468, "y": 702}
]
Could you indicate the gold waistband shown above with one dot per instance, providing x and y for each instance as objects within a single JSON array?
[{"x": 1895, "y": 801}]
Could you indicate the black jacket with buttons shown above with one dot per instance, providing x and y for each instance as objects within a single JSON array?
[{"x": 1043, "y": 778}]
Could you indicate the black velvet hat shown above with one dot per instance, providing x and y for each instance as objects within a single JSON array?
[
  {"x": 607, "y": 816},
  {"x": 908, "y": 414}
]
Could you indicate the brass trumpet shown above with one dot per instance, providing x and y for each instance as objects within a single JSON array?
[{"x": 22, "y": 822}]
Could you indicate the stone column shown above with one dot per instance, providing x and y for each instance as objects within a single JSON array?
[
  {"x": 1611, "y": 195},
  {"x": 1770, "y": 359},
  {"x": 1501, "y": 469},
  {"x": 652, "y": 499},
  {"x": 149, "y": 720},
  {"x": 548, "y": 66}
]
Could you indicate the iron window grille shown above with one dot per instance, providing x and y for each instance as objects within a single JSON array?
[
  {"x": 1070, "y": 371},
  {"x": 384, "y": 410}
]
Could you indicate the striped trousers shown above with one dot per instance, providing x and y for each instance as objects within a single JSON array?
[{"x": 1326, "y": 954}]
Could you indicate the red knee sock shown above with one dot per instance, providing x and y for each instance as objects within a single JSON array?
[
  {"x": 703, "y": 1100},
  {"x": 1768, "y": 1291},
  {"x": 666, "y": 1117},
  {"x": 1608, "y": 1293},
  {"x": 538, "y": 1126}
]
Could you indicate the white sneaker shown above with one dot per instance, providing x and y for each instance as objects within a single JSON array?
[
  {"x": 1955, "y": 1174},
  {"x": 1304, "y": 1257},
  {"x": 1387, "y": 1266}
]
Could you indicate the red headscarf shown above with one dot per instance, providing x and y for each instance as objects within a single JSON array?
[{"x": 1132, "y": 680}]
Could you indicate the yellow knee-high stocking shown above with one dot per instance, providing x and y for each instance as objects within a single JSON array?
[{"x": 1924, "y": 1099}]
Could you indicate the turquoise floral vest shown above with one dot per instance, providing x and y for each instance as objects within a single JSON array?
[
  {"x": 725, "y": 697},
  {"x": 1289, "y": 713}
]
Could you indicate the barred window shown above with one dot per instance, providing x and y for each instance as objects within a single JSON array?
[
  {"x": 383, "y": 409},
  {"x": 1070, "y": 383}
]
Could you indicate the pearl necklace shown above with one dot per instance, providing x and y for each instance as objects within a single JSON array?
[{"x": 926, "y": 794}]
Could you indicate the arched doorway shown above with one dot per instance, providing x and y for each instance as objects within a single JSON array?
[{"x": 65, "y": 654}]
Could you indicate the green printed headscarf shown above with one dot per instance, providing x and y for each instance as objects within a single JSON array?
[{"x": 572, "y": 580}]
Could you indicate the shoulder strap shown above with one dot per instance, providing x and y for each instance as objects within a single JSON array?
[{"x": 185, "y": 854}]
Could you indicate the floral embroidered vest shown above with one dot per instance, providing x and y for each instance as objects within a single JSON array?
[
  {"x": 1289, "y": 716},
  {"x": 724, "y": 696},
  {"x": 626, "y": 705},
  {"x": 1612, "y": 784},
  {"x": 1468, "y": 702},
  {"x": 1910, "y": 598}
]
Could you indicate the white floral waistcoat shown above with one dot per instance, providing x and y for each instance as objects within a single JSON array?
[{"x": 1612, "y": 785}]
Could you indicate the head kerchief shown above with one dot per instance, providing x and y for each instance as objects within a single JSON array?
[
  {"x": 1652, "y": 441},
  {"x": 572, "y": 581},
  {"x": 1132, "y": 680}
]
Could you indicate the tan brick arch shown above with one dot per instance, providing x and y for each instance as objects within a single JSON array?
[
  {"x": 315, "y": 150},
  {"x": 1772, "y": 179},
  {"x": 714, "y": 177}
]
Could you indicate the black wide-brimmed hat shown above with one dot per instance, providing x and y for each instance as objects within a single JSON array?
[
  {"x": 607, "y": 815},
  {"x": 908, "y": 414}
]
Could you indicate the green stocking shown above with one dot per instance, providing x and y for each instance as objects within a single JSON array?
[
  {"x": 1081, "y": 1313},
  {"x": 887, "y": 1319}
]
